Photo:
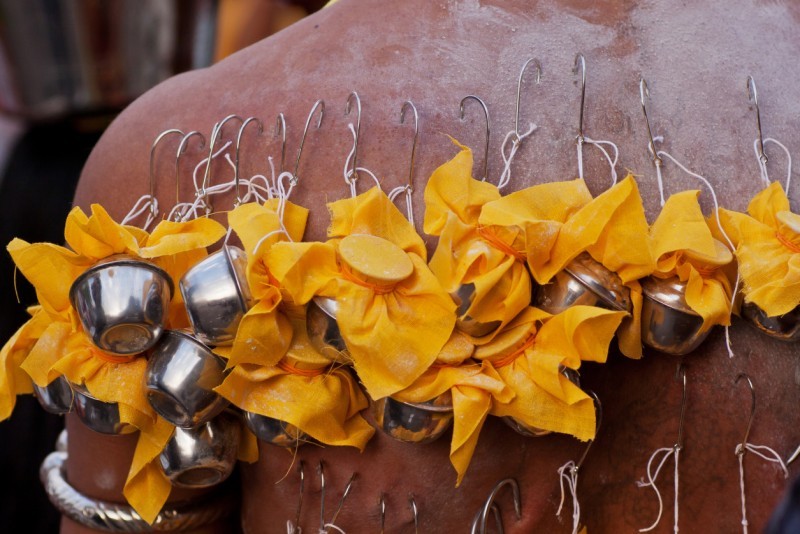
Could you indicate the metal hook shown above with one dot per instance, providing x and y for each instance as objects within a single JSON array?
[
  {"x": 302, "y": 487},
  {"x": 236, "y": 154},
  {"x": 644, "y": 90},
  {"x": 410, "y": 104},
  {"x": 161, "y": 136},
  {"x": 498, "y": 520},
  {"x": 752, "y": 97},
  {"x": 413, "y": 503},
  {"x": 519, "y": 92},
  {"x": 181, "y": 150},
  {"x": 490, "y": 500},
  {"x": 215, "y": 133},
  {"x": 280, "y": 129},
  {"x": 486, "y": 144},
  {"x": 321, "y": 472},
  {"x": 752, "y": 409},
  {"x": 344, "y": 496},
  {"x": 680, "y": 374},
  {"x": 580, "y": 63},
  {"x": 318, "y": 104},
  {"x": 347, "y": 108},
  {"x": 382, "y": 504},
  {"x": 598, "y": 423}
]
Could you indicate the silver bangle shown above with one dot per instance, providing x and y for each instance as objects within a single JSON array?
[{"x": 114, "y": 517}]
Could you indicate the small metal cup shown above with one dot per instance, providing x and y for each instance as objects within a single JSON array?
[
  {"x": 463, "y": 299},
  {"x": 414, "y": 422},
  {"x": 56, "y": 397},
  {"x": 202, "y": 456},
  {"x": 273, "y": 430},
  {"x": 180, "y": 377},
  {"x": 784, "y": 327},
  {"x": 217, "y": 295},
  {"x": 102, "y": 417},
  {"x": 531, "y": 431},
  {"x": 122, "y": 303},
  {"x": 669, "y": 325},
  {"x": 323, "y": 330},
  {"x": 583, "y": 282}
]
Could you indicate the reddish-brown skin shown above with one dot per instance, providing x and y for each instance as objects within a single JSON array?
[{"x": 696, "y": 58}]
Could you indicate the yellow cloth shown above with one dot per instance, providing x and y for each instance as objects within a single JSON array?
[
  {"x": 679, "y": 235},
  {"x": 13, "y": 380},
  {"x": 767, "y": 242},
  {"x": 264, "y": 333},
  {"x": 487, "y": 255},
  {"x": 393, "y": 336}
]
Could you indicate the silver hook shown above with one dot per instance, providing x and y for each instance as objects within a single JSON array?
[
  {"x": 318, "y": 104},
  {"x": 181, "y": 150},
  {"x": 347, "y": 108},
  {"x": 498, "y": 520},
  {"x": 302, "y": 487},
  {"x": 413, "y": 503},
  {"x": 382, "y": 504},
  {"x": 236, "y": 154},
  {"x": 280, "y": 129},
  {"x": 161, "y": 136},
  {"x": 215, "y": 133},
  {"x": 580, "y": 63},
  {"x": 680, "y": 374},
  {"x": 321, "y": 472},
  {"x": 752, "y": 409},
  {"x": 518, "y": 136},
  {"x": 410, "y": 104},
  {"x": 598, "y": 423},
  {"x": 644, "y": 91},
  {"x": 752, "y": 97},
  {"x": 344, "y": 496},
  {"x": 490, "y": 500},
  {"x": 486, "y": 143}
]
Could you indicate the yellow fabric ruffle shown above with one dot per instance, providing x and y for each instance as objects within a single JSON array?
[
  {"x": 681, "y": 236},
  {"x": 13, "y": 380},
  {"x": 767, "y": 242},
  {"x": 392, "y": 336},
  {"x": 489, "y": 256}
]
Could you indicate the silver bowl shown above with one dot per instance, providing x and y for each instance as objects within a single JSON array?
[
  {"x": 463, "y": 299},
  {"x": 180, "y": 379},
  {"x": 414, "y": 422},
  {"x": 532, "y": 431},
  {"x": 323, "y": 330},
  {"x": 122, "y": 303},
  {"x": 202, "y": 456},
  {"x": 217, "y": 295},
  {"x": 583, "y": 282},
  {"x": 669, "y": 325},
  {"x": 273, "y": 430},
  {"x": 102, "y": 417},
  {"x": 784, "y": 327},
  {"x": 56, "y": 397}
]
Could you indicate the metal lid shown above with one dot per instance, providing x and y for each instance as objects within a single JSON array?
[
  {"x": 601, "y": 281},
  {"x": 670, "y": 292}
]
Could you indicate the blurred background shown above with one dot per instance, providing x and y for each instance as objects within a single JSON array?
[{"x": 67, "y": 67}]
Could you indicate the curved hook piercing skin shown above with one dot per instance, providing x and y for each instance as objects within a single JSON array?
[
  {"x": 490, "y": 500},
  {"x": 580, "y": 66},
  {"x": 236, "y": 153},
  {"x": 743, "y": 449},
  {"x": 752, "y": 97},
  {"x": 598, "y": 423},
  {"x": 178, "y": 154},
  {"x": 517, "y": 134},
  {"x": 215, "y": 134},
  {"x": 413, "y": 503},
  {"x": 382, "y": 505},
  {"x": 644, "y": 91},
  {"x": 408, "y": 104},
  {"x": 302, "y": 470},
  {"x": 680, "y": 374},
  {"x": 161, "y": 136},
  {"x": 346, "y": 492},
  {"x": 321, "y": 473},
  {"x": 347, "y": 108},
  {"x": 280, "y": 130},
  {"x": 488, "y": 131},
  {"x": 318, "y": 104}
]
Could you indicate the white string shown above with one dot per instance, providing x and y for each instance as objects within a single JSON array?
[
  {"x": 516, "y": 141},
  {"x": 408, "y": 190},
  {"x": 599, "y": 144},
  {"x": 351, "y": 176},
  {"x": 291, "y": 529},
  {"x": 662, "y": 153},
  {"x": 762, "y": 167},
  {"x": 568, "y": 473},
  {"x": 771, "y": 456},
  {"x": 651, "y": 481},
  {"x": 324, "y": 529},
  {"x": 145, "y": 203}
]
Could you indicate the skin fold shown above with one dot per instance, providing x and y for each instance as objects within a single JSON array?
[{"x": 695, "y": 58}]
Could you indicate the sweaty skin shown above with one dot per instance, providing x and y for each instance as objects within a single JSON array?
[{"x": 695, "y": 58}]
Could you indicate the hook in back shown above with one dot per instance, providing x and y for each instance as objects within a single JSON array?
[
  {"x": 408, "y": 104},
  {"x": 347, "y": 108},
  {"x": 236, "y": 153},
  {"x": 580, "y": 66},
  {"x": 752, "y": 97},
  {"x": 161, "y": 136},
  {"x": 318, "y": 104},
  {"x": 488, "y": 132},
  {"x": 517, "y": 135}
]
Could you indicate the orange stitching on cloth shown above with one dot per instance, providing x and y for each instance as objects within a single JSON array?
[
  {"x": 506, "y": 360},
  {"x": 705, "y": 272},
  {"x": 786, "y": 243},
  {"x": 490, "y": 237},
  {"x": 379, "y": 289},
  {"x": 283, "y": 365},
  {"x": 112, "y": 358}
]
